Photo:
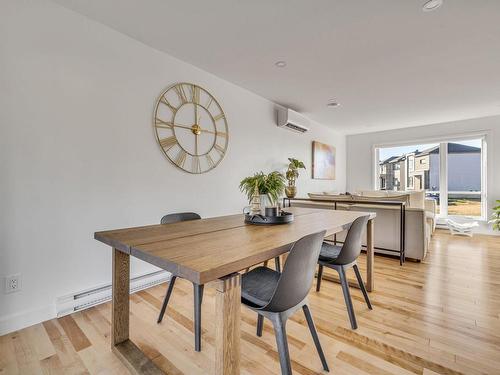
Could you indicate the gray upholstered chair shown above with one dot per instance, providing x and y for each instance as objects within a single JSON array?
[
  {"x": 341, "y": 258},
  {"x": 277, "y": 296},
  {"x": 197, "y": 289}
]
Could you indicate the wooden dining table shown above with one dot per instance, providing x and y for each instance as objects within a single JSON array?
[{"x": 211, "y": 251}]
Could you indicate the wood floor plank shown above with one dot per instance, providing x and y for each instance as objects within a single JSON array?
[
  {"x": 39, "y": 339},
  {"x": 74, "y": 333},
  {"x": 8, "y": 363},
  {"x": 25, "y": 353},
  {"x": 362, "y": 364},
  {"x": 52, "y": 365},
  {"x": 70, "y": 361},
  {"x": 166, "y": 366}
]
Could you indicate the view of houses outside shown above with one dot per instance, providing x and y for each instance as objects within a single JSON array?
[{"x": 417, "y": 167}]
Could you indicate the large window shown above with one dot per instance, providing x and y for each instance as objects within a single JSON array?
[{"x": 450, "y": 172}]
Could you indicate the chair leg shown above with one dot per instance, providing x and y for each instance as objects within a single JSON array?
[
  {"x": 277, "y": 263},
  {"x": 320, "y": 275},
  {"x": 362, "y": 286},
  {"x": 281, "y": 341},
  {"x": 347, "y": 297},
  {"x": 260, "y": 324},
  {"x": 198, "y": 297},
  {"x": 266, "y": 263},
  {"x": 315, "y": 337},
  {"x": 167, "y": 298}
]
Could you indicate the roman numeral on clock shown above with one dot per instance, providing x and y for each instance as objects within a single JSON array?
[
  {"x": 179, "y": 89},
  {"x": 209, "y": 103},
  {"x": 195, "y": 166},
  {"x": 167, "y": 103},
  {"x": 219, "y": 116},
  {"x": 195, "y": 94},
  {"x": 181, "y": 158},
  {"x": 168, "y": 143},
  {"x": 210, "y": 161},
  {"x": 219, "y": 148},
  {"x": 221, "y": 134},
  {"x": 159, "y": 123}
]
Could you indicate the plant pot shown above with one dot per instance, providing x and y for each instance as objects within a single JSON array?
[{"x": 291, "y": 191}]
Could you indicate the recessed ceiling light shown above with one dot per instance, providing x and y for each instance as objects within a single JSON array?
[
  {"x": 431, "y": 5},
  {"x": 333, "y": 103},
  {"x": 280, "y": 64}
]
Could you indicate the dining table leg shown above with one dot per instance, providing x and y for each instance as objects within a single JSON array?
[
  {"x": 120, "y": 302},
  {"x": 227, "y": 324},
  {"x": 133, "y": 358},
  {"x": 370, "y": 252}
]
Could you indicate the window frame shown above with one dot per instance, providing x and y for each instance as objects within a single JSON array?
[{"x": 443, "y": 172}]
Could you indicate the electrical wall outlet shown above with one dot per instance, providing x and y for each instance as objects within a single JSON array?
[{"x": 12, "y": 283}]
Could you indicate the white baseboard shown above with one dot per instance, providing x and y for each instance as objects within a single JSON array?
[
  {"x": 76, "y": 302},
  {"x": 23, "y": 319}
]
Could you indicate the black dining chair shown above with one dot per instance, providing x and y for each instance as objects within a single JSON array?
[
  {"x": 197, "y": 289},
  {"x": 341, "y": 258},
  {"x": 276, "y": 296}
]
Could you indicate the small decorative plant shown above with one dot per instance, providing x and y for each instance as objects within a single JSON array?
[
  {"x": 293, "y": 170},
  {"x": 272, "y": 185},
  {"x": 495, "y": 217},
  {"x": 291, "y": 175}
]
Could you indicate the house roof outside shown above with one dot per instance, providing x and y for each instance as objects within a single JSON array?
[
  {"x": 396, "y": 159},
  {"x": 453, "y": 148},
  {"x": 389, "y": 160}
]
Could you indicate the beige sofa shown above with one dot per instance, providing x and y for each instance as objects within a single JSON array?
[{"x": 420, "y": 217}]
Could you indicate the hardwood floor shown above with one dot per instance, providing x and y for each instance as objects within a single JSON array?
[{"x": 441, "y": 316}]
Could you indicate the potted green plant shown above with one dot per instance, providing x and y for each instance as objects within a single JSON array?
[
  {"x": 291, "y": 175},
  {"x": 270, "y": 187},
  {"x": 495, "y": 216}
]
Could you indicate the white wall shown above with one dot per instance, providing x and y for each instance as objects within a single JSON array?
[
  {"x": 78, "y": 153},
  {"x": 360, "y": 155}
]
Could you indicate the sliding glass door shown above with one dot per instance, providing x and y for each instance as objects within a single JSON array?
[
  {"x": 450, "y": 172},
  {"x": 464, "y": 178}
]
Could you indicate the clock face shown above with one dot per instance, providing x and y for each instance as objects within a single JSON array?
[{"x": 191, "y": 128}]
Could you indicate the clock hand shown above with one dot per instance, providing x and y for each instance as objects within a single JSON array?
[
  {"x": 182, "y": 126},
  {"x": 208, "y": 131},
  {"x": 216, "y": 133},
  {"x": 195, "y": 113},
  {"x": 196, "y": 144}
]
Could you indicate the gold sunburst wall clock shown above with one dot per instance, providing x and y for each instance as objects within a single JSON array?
[{"x": 191, "y": 128}]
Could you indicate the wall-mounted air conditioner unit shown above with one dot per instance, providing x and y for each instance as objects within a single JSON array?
[{"x": 292, "y": 120}]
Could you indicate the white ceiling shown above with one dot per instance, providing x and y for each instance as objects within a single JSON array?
[{"x": 387, "y": 62}]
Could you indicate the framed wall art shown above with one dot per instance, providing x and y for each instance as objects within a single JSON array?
[{"x": 324, "y": 161}]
